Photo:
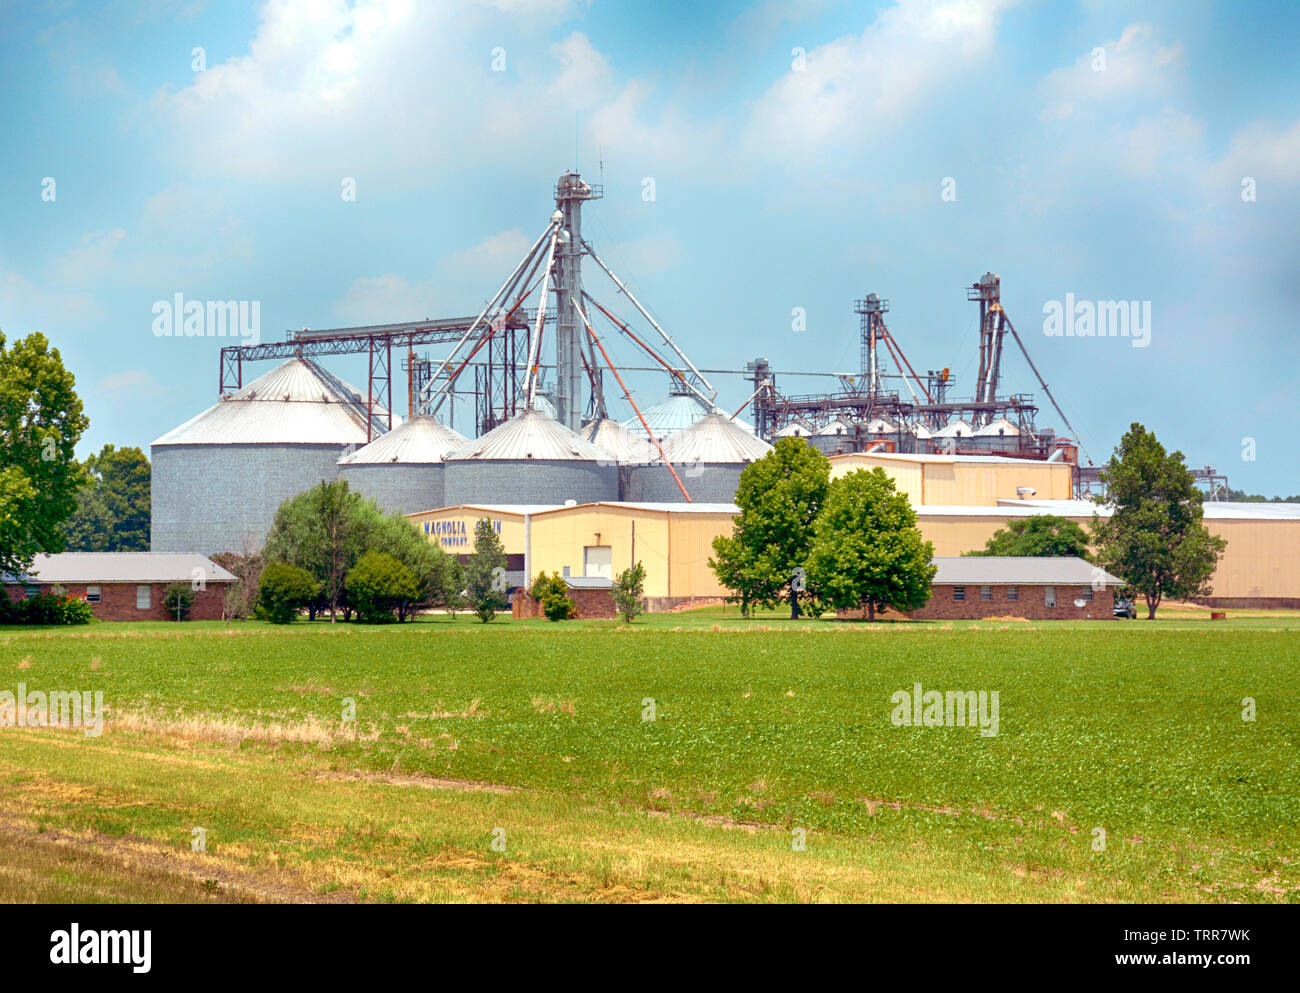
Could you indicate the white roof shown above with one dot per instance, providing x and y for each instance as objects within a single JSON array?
[
  {"x": 921, "y": 431},
  {"x": 714, "y": 439},
  {"x": 674, "y": 414},
  {"x": 1020, "y": 570},
  {"x": 795, "y": 429},
  {"x": 881, "y": 425},
  {"x": 125, "y": 567},
  {"x": 967, "y": 459},
  {"x": 1214, "y": 510},
  {"x": 297, "y": 402},
  {"x": 520, "y": 509},
  {"x": 996, "y": 427},
  {"x": 836, "y": 427},
  {"x": 531, "y": 435},
  {"x": 628, "y": 447},
  {"x": 419, "y": 441},
  {"x": 955, "y": 429}
]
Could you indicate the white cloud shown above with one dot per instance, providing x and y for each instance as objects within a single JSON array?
[{"x": 1135, "y": 68}]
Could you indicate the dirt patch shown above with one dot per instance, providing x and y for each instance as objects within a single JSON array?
[
  {"x": 135, "y": 853},
  {"x": 411, "y": 779}
]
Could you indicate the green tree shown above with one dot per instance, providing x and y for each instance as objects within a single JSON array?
[
  {"x": 1154, "y": 539},
  {"x": 380, "y": 586},
  {"x": 867, "y": 550},
  {"x": 284, "y": 590},
  {"x": 629, "y": 592},
  {"x": 41, "y": 421},
  {"x": 241, "y": 597},
  {"x": 485, "y": 573},
  {"x": 403, "y": 540},
  {"x": 1039, "y": 534},
  {"x": 112, "y": 512},
  {"x": 779, "y": 497},
  {"x": 552, "y": 592},
  {"x": 452, "y": 596},
  {"x": 178, "y": 598},
  {"x": 324, "y": 530}
]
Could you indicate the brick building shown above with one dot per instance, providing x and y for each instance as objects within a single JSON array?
[
  {"x": 592, "y": 595},
  {"x": 1040, "y": 588},
  {"x": 126, "y": 586}
]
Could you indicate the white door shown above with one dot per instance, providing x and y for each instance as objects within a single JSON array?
[{"x": 598, "y": 560}]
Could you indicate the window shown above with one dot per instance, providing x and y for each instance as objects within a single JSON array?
[
  {"x": 58, "y": 590},
  {"x": 31, "y": 590},
  {"x": 959, "y": 593},
  {"x": 92, "y": 594},
  {"x": 1049, "y": 596},
  {"x": 1086, "y": 594},
  {"x": 1013, "y": 592},
  {"x": 143, "y": 597},
  {"x": 986, "y": 592}
]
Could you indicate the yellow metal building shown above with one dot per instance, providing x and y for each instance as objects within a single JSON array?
[{"x": 964, "y": 480}]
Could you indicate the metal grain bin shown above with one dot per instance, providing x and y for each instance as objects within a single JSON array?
[
  {"x": 708, "y": 458},
  {"x": 531, "y": 458},
  {"x": 403, "y": 470}
]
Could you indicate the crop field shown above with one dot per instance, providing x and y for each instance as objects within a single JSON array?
[{"x": 697, "y": 756}]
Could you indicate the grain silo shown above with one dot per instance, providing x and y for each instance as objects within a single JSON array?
[
  {"x": 835, "y": 438},
  {"x": 708, "y": 458},
  {"x": 219, "y": 478},
  {"x": 531, "y": 458},
  {"x": 403, "y": 469},
  {"x": 678, "y": 412},
  {"x": 628, "y": 449},
  {"x": 999, "y": 435}
]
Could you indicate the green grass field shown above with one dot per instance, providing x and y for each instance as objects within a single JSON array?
[{"x": 763, "y": 728}]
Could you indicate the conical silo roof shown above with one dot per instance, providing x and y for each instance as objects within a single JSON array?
[
  {"x": 796, "y": 429},
  {"x": 531, "y": 435},
  {"x": 297, "y": 402},
  {"x": 674, "y": 414},
  {"x": 714, "y": 439},
  {"x": 628, "y": 448},
  {"x": 997, "y": 427},
  {"x": 955, "y": 429},
  {"x": 420, "y": 441}
]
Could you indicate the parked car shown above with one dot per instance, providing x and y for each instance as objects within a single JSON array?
[{"x": 1124, "y": 608}]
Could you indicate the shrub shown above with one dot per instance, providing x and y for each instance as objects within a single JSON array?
[
  {"x": 178, "y": 598},
  {"x": 45, "y": 608},
  {"x": 241, "y": 596},
  {"x": 629, "y": 591},
  {"x": 553, "y": 594},
  {"x": 379, "y": 587},
  {"x": 283, "y": 591}
]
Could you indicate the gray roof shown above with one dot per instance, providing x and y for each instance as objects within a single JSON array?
[
  {"x": 419, "y": 441},
  {"x": 623, "y": 444},
  {"x": 714, "y": 439},
  {"x": 588, "y": 582},
  {"x": 124, "y": 567},
  {"x": 297, "y": 402},
  {"x": 1011, "y": 570},
  {"x": 532, "y": 435}
]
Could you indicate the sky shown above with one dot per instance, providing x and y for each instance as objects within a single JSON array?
[{"x": 801, "y": 155}]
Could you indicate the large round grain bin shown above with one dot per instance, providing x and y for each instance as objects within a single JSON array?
[
  {"x": 219, "y": 478},
  {"x": 403, "y": 470},
  {"x": 708, "y": 458},
  {"x": 531, "y": 458}
]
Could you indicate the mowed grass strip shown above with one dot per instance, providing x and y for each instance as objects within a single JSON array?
[{"x": 1123, "y": 728}]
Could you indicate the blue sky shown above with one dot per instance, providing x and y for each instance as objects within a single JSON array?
[{"x": 777, "y": 185}]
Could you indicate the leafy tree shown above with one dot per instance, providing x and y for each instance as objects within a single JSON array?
[
  {"x": 867, "y": 549},
  {"x": 1154, "y": 538},
  {"x": 112, "y": 512},
  {"x": 178, "y": 598},
  {"x": 779, "y": 497},
  {"x": 552, "y": 592},
  {"x": 284, "y": 590},
  {"x": 41, "y": 421},
  {"x": 485, "y": 573},
  {"x": 379, "y": 586},
  {"x": 629, "y": 592},
  {"x": 452, "y": 595},
  {"x": 1040, "y": 534},
  {"x": 324, "y": 530},
  {"x": 241, "y": 597},
  {"x": 404, "y": 541}
]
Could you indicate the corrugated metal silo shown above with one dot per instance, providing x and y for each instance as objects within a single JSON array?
[
  {"x": 219, "y": 478},
  {"x": 403, "y": 469},
  {"x": 531, "y": 458},
  {"x": 708, "y": 457},
  {"x": 674, "y": 414}
]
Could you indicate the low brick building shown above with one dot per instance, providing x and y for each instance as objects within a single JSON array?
[
  {"x": 592, "y": 595},
  {"x": 126, "y": 586},
  {"x": 1040, "y": 588}
]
